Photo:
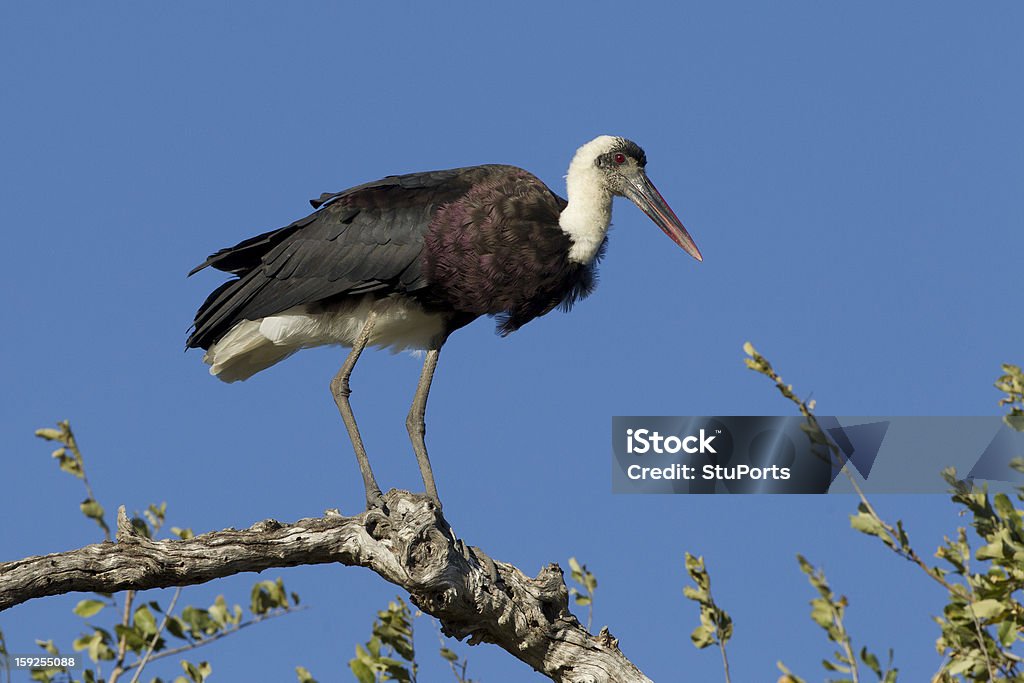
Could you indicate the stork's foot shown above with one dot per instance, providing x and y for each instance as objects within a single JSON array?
[{"x": 375, "y": 500}]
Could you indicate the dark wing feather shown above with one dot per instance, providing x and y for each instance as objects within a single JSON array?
[
  {"x": 246, "y": 255},
  {"x": 365, "y": 239}
]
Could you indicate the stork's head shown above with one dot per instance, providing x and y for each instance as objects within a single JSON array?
[{"x": 617, "y": 166}]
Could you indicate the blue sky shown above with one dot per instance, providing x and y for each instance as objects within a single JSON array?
[{"x": 851, "y": 173}]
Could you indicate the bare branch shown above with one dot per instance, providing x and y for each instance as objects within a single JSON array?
[{"x": 408, "y": 544}]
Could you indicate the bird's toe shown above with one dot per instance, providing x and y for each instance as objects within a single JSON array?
[{"x": 375, "y": 500}]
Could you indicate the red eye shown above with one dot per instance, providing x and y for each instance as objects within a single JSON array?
[{"x": 620, "y": 158}]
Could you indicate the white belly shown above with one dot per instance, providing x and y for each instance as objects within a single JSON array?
[{"x": 253, "y": 345}]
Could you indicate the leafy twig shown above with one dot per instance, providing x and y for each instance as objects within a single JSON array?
[
  {"x": 392, "y": 637},
  {"x": 457, "y": 665},
  {"x": 586, "y": 581},
  {"x": 827, "y": 611},
  {"x": 217, "y": 636},
  {"x": 74, "y": 465},
  {"x": 715, "y": 623},
  {"x": 867, "y": 520},
  {"x": 1012, "y": 383},
  {"x": 985, "y": 599}
]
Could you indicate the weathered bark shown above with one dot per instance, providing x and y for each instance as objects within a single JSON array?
[{"x": 409, "y": 544}]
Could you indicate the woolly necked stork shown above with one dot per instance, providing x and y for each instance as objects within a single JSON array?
[{"x": 405, "y": 261}]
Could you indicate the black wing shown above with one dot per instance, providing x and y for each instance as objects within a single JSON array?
[{"x": 368, "y": 238}]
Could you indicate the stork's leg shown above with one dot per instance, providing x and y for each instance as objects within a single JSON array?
[
  {"x": 417, "y": 425},
  {"x": 341, "y": 391}
]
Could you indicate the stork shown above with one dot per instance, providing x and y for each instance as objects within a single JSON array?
[{"x": 404, "y": 261}]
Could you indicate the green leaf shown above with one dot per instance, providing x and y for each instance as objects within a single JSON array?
[
  {"x": 363, "y": 656},
  {"x": 821, "y": 613},
  {"x": 397, "y": 672},
  {"x": 72, "y": 467},
  {"x": 155, "y": 515},
  {"x": 724, "y": 626},
  {"x": 199, "y": 621},
  {"x": 1014, "y": 422},
  {"x": 48, "y": 646},
  {"x": 695, "y": 568},
  {"x": 363, "y": 673},
  {"x": 1007, "y": 633},
  {"x": 176, "y": 627},
  {"x": 389, "y": 662},
  {"x": 959, "y": 666},
  {"x": 695, "y": 594},
  {"x": 871, "y": 660},
  {"x": 140, "y": 527},
  {"x": 789, "y": 676},
  {"x": 145, "y": 621},
  {"x": 267, "y": 595},
  {"x": 1004, "y": 506},
  {"x": 449, "y": 655},
  {"x": 988, "y": 609},
  {"x": 198, "y": 673},
  {"x": 304, "y": 675},
  {"x": 404, "y": 648},
  {"x": 87, "y": 608},
  {"x": 866, "y": 523},
  {"x": 219, "y": 611},
  {"x": 133, "y": 638},
  {"x": 99, "y": 646},
  {"x": 91, "y": 509},
  {"x": 702, "y": 637}
]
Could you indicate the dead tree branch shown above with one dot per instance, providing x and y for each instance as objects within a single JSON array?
[{"x": 409, "y": 544}]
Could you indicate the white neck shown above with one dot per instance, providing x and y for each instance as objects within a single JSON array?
[{"x": 589, "y": 213}]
